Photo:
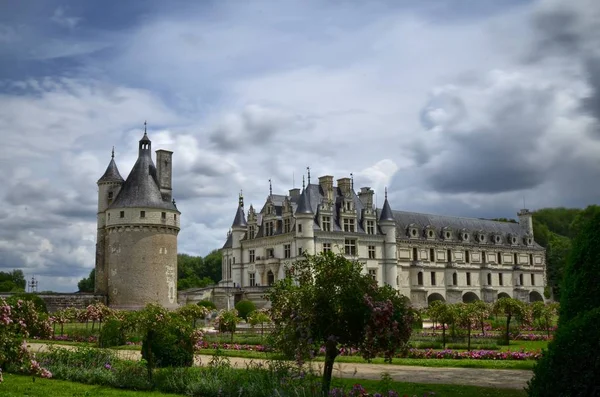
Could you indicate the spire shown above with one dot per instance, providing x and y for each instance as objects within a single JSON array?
[
  {"x": 303, "y": 184},
  {"x": 352, "y": 181},
  {"x": 270, "y": 188},
  {"x": 145, "y": 124},
  {"x": 145, "y": 143},
  {"x": 386, "y": 211},
  {"x": 308, "y": 171},
  {"x": 240, "y": 217},
  {"x": 112, "y": 172},
  {"x": 304, "y": 203}
]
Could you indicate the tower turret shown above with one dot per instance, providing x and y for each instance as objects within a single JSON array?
[
  {"x": 387, "y": 224},
  {"x": 142, "y": 224},
  {"x": 239, "y": 227},
  {"x": 109, "y": 186},
  {"x": 526, "y": 221},
  {"x": 305, "y": 235}
]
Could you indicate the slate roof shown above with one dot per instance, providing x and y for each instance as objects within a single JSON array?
[
  {"x": 240, "y": 218},
  {"x": 303, "y": 206},
  {"x": 112, "y": 173},
  {"x": 229, "y": 242},
  {"x": 141, "y": 189},
  {"x": 386, "y": 212}
]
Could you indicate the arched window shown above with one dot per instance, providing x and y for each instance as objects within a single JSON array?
[
  {"x": 454, "y": 279},
  {"x": 270, "y": 278},
  {"x": 420, "y": 278}
]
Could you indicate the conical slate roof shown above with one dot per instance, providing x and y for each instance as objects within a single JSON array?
[
  {"x": 141, "y": 189},
  {"x": 112, "y": 173},
  {"x": 240, "y": 218},
  {"x": 304, "y": 204},
  {"x": 386, "y": 212}
]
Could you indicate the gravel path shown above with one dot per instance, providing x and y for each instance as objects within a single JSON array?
[{"x": 497, "y": 378}]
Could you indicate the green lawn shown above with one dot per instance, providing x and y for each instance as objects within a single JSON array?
[
  {"x": 525, "y": 344},
  {"x": 19, "y": 386}
]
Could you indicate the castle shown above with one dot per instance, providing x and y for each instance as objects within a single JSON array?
[
  {"x": 138, "y": 224},
  {"x": 426, "y": 257}
]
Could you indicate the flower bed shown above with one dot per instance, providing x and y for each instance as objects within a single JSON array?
[{"x": 473, "y": 354}]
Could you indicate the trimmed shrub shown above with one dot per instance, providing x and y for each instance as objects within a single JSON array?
[
  {"x": 571, "y": 365},
  {"x": 39, "y": 303},
  {"x": 112, "y": 334},
  {"x": 208, "y": 304},
  {"x": 244, "y": 308},
  {"x": 168, "y": 344}
]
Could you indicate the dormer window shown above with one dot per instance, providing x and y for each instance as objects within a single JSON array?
[
  {"x": 370, "y": 227},
  {"x": 447, "y": 233},
  {"x": 465, "y": 236},
  {"x": 349, "y": 225},
  {"x": 286, "y": 225},
  {"x": 251, "y": 231},
  {"x": 513, "y": 240},
  {"x": 481, "y": 238},
  {"x": 348, "y": 206},
  {"x": 429, "y": 233},
  {"x": 497, "y": 239},
  {"x": 529, "y": 241},
  {"x": 413, "y": 232},
  {"x": 326, "y": 223}
]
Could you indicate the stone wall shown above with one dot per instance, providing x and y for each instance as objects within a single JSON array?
[{"x": 58, "y": 301}]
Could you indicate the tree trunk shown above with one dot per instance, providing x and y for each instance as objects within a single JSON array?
[
  {"x": 331, "y": 352},
  {"x": 61, "y": 329},
  {"x": 444, "y": 335},
  {"x": 482, "y": 326},
  {"x": 508, "y": 330},
  {"x": 469, "y": 337}
]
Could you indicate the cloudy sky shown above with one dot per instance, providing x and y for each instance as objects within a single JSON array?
[{"x": 459, "y": 107}]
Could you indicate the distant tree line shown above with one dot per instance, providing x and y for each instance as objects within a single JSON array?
[
  {"x": 12, "y": 281},
  {"x": 192, "y": 272}
]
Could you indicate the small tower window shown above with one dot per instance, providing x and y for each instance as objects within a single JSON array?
[
  {"x": 521, "y": 279},
  {"x": 532, "y": 279},
  {"x": 110, "y": 195},
  {"x": 449, "y": 255},
  {"x": 299, "y": 228},
  {"x": 420, "y": 278},
  {"x": 500, "y": 279},
  {"x": 109, "y": 216},
  {"x": 489, "y": 279},
  {"x": 531, "y": 259},
  {"x": 122, "y": 214},
  {"x": 175, "y": 217},
  {"x": 431, "y": 255},
  {"x": 516, "y": 258},
  {"x": 499, "y": 258},
  {"x": 163, "y": 215},
  {"x": 142, "y": 214},
  {"x": 467, "y": 256},
  {"x": 432, "y": 278},
  {"x": 415, "y": 254},
  {"x": 468, "y": 278},
  {"x": 454, "y": 279}
]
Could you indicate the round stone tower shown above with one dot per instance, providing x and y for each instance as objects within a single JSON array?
[{"x": 141, "y": 228}]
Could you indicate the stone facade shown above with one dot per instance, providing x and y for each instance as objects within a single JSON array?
[
  {"x": 426, "y": 257},
  {"x": 57, "y": 301},
  {"x": 138, "y": 224}
]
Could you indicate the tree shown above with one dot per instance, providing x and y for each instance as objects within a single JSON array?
[
  {"x": 482, "y": 312},
  {"x": 442, "y": 313},
  {"x": 227, "y": 321},
  {"x": 510, "y": 308},
  {"x": 12, "y": 281},
  {"x": 466, "y": 316},
  {"x": 544, "y": 314},
  {"x": 244, "y": 308},
  {"x": 87, "y": 284},
  {"x": 327, "y": 300},
  {"x": 259, "y": 317}
]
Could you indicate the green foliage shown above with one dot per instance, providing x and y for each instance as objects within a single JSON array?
[
  {"x": 87, "y": 284},
  {"x": 227, "y": 321},
  {"x": 198, "y": 272},
  {"x": 169, "y": 344},
  {"x": 330, "y": 301},
  {"x": 244, "y": 308},
  {"x": 12, "y": 281},
  {"x": 510, "y": 308},
  {"x": 112, "y": 334},
  {"x": 207, "y": 304},
  {"x": 259, "y": 317},
  {"x": 570, "y": 365},
  {"x": 582, "y": 275},
  {"x": 38, "y": 302}
]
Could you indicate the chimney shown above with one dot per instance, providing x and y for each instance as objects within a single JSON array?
[
  {"x": 526, "y": 221},
  {"x": 295, "y": 192},
  {"x": 345, "y": 185},
  {"x": 164, "y": 171},
  {"x": 326, "y": 184},
  {"x": 366, "y": 197}
]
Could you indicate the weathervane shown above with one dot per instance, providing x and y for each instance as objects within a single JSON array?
[
  {"x": 270, "y": 187},
  {"x": 308, "y": 170}
]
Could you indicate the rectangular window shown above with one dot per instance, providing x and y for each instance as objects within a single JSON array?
[
  {"x": 516, "y": 259},
  {"x": 532, "y": 279},
  {"x": 370, "y": 227},
  {"x": 431, "y": 255},
  {"x": 175, "y": 217},
  {"x": 348, "y": 205},
  {"x": 326, "y": 223},
  {"x": 432, "y": 278},
  {"x": 299, "y": 228},
  {"x": 109, "y": 216},
  {"x": 373, "y": 274},
  {"x": 371, "y": 252},
  {"x": 251, "y": 231},
  {"x": 326, "y": 247},
  {"x": 252, "y": 277},
  {"x": 287, "y": 251},
  {"x": 270, "y": 253},
  {"x": 299, "y": 251},
  {"x": 349, "y": 225},
  {"x": 122, "y": 214},
  {"x": 483, "y": 257},
  {"x": 163, "y": 215},
  {"x": 251, "y": 256},
  {"x": 110, "y": 195},
  {"x": 467, "y": 256},
  {"x": 468, "y": 278},
  {"x": 350, "y": 246},
  {"x": 500, "y": 279},
  {"x": 449, "y": 255},
  {"x": 521, "y": 280},
  {"x": 286, "y": 225},
  {"x": 531, "y": 259},
  {"x": 415, "y": 254},
  {"x": 142, "y": 214},
  {"x": 499, "y": 258},
  {"x": 268, "y": 228}
]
